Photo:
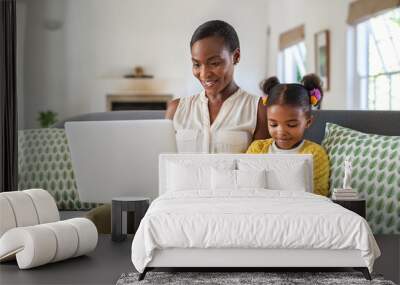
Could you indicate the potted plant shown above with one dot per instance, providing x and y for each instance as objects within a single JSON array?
[{"x": 47, "y": 118}]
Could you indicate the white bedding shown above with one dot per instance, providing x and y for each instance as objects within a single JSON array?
[{"x": 251, "y": 218}]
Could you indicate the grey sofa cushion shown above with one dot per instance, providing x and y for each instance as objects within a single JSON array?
[
  {"x": 376, "y": 122},
  {"x": 372, "y": 122}
]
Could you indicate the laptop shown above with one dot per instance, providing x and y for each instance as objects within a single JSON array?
[{"x": 118, "y": 158}]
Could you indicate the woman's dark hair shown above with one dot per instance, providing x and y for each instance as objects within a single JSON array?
[
  {"x": 217, "y": 28},
  {"x": 293, "y": 94}
]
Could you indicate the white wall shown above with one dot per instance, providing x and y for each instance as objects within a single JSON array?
[
  {"x": 77, "y": 51},
  {"x": 316, "y": 15}
]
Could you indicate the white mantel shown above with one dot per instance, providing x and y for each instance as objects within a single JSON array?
[{"x": 118, "y": 89}]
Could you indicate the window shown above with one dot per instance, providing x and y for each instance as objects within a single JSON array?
[
  {"x": 292, "y": 63},
  {"x": 378, "y": 61}
]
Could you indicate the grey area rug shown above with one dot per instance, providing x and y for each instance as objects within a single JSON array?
[{"x": 269, "y": 278}]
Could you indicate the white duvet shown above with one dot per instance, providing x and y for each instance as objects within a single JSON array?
[{"x": 250, "y": 219}]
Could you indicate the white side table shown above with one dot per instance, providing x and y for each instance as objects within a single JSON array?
[{"x": 137, "y": 205}]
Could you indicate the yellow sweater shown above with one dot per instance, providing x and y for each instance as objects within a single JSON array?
[{"x": 321, "y": 161}]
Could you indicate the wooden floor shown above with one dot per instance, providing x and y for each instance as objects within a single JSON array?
[{"x": 111, "y": 259}]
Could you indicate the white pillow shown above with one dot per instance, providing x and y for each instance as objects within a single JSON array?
[
  {"x": 281, "y": 174},
  {"x": 186, "y": 174},
  {"x": 293, "y": 179},
  {"x": 223, "y": 179},
  {"x": 251, "y": 178},
  {"x": 237, "y": 179},
  {"x": 183, "y": 177}
]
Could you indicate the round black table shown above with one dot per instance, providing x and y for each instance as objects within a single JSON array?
[{"x": 137, "y": 205}]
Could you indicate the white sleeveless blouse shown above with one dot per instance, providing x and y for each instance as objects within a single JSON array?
[{"x": 231, "y": 132}]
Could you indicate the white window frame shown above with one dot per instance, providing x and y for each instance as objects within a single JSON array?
[
  {"x": 357, "y": 68},
  {"x": 285, "y": 72}
]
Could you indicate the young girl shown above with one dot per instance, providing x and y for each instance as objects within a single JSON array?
[{"x": 289, "y": 115}]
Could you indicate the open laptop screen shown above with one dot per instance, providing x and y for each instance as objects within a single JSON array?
[{"x": 118, "y": 158}]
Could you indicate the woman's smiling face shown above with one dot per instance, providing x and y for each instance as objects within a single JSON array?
[
  {"x": 287, "y": 124},
  {"x": 213, "y": 64}
]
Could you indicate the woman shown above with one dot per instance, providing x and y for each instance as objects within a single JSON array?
[{"x": 223, "y": 117}]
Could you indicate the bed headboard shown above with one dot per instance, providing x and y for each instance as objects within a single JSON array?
[{"x": 239, "y": 161}]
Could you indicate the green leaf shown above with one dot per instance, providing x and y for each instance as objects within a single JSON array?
[
  {"x": 390, "y": 207},
  {"x": 392, "y": 166},
  {"x": 379, "y": 218},
  {"x": 62, "y": 205},
  {"x": 382, "y": 164},
  {"x": 395, "y": 146},
  {"x": 389, "y": 193},
  {"x": 72, "y": 195},
  {"x": 57, "y": 196},
  {"x": 349, "y": 151},
  {"x": 52, "y": 185},
  {"x": 370, "y": 189},
  {"x": 391, "y": 178},
  {"x": 380, "y": 177},
  {"x": 65, "y": 195},
  {"x": 380, "y": 190},
  {"x": 355, "y": 172},
  {"x": 384, "y": 154},
  {"x": 370, "y": 216},
  {"x": 373, "y": 163},
  {"x": 376, "y": 143},
  {"x": 371, "y": 175},
  {"x": 379, "y": 205},
  {"x": 362, "y": 174},
  {"x": 390, "y": 222}
]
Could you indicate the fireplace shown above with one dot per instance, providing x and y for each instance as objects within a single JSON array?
[{"x": 137, "y": 102}]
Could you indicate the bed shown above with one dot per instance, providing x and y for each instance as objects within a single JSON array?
[{"x": 242, "y": 211}]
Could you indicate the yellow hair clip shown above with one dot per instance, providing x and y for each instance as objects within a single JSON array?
[{"x": 264, "y": 99}]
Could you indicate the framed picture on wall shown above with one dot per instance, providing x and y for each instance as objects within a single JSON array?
[{"x": 322, "y": 60}]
